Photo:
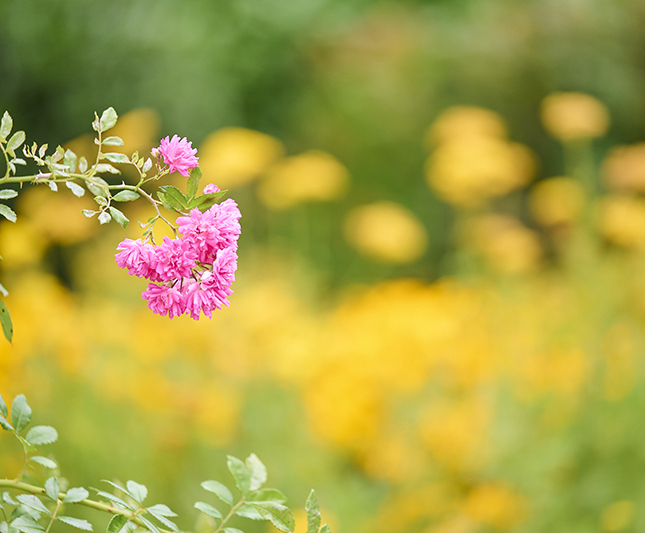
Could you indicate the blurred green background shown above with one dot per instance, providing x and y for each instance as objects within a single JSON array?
[{"x": 438, "y": 318}]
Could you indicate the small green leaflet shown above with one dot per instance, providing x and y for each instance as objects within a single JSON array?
[
  {"x": 6, "y": 194},
  {"x": 118, "y": 216},
  {"x": 108, "y": 119},
  {"x": 266, "y": 495},
  {"x": 41, "y": 435},
  {"x": 115, "y": 499},
  {"x": 51, "y": 488},
  {"x": 16, "y": 140},
  {"x": 221, "y": 491},
  {"x": 4, "y": 424},
  {"x": 161, "y": 510},
  {"x": 20, "y": 412},
  {"x": 116, "y": 524},
  {"x": 5, "y": 126},
  {"x": 116, "y": 157},
  {"x": 75, "y": 188},
  {"x": 6, "y": 497},
  {"x": 8, "y": 213},
  {"x": 257, "y": 470},
  {"x": 27, "y": 524},
  {"x": 5, "y": 320},
  {"x": 47, "y": 463},
  {"x": 137, "y": 491},
  {"x": 113, "y": 141},
  {"x": 240, "y": 474},
  {"x": 33, "y": 502},
  {"x": 125, "y": 196},
  {"x": 313, "y": 513},
  {"x": 232, "y": 530},
  {"x": 279, "y": 515},
  {"x": 325, "y": 529},
  {"x": 149, "y": 525},
  {"x": 193, "y": 182},
  {"x": 3, "y": 407},
  {"x": 208, "y": 509},
  {"x": 76, "y": 522},
  {"x": 75, "y": 495}
]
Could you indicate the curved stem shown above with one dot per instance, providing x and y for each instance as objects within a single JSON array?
[
  {"x": 230, "y": 514},
  {"x": 99, "y": 506}
]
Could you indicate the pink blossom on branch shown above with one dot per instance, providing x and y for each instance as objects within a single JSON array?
[
  {"x": 193, "y": 273},
  {"x": 178, "y": 154}
]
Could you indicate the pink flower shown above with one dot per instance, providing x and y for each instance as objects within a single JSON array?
[
  {"x": 138, "y": 257},
  {"x": 198, "y": 300},
  {"x": 175, "y": 259},
  {"x": 211, "y": 188},
  {"x": 178, "y": 154},
  {"x": 202, "y": 232},
  {"x": 225, "y": 266},
  {"x": 165, "y": 300}
]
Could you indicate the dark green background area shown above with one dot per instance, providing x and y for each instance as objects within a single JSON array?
[{"x": 361, "y": 79}]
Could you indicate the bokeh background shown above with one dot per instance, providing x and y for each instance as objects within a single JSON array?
[{"x": 439, "y": 316}]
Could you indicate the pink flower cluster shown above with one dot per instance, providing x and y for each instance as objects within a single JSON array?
[
  {"x": 193, "y": 273},
  {"x": 178, "y": 154}
]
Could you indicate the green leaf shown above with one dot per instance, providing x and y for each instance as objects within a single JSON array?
[
  {"x": 51, "y": 488},
  {"x": 149, "y": 525},
  {"x": 8, "y": 213},
  {"x": 20, "y": 412},
  {"x": 208, "y": 509},
  {"x": 104, "y": 217},
  {"x": 5, "y": 424},
  {"x": 106, "y": 167},
  {"x": 5, "y": 126},
  {"x": 26, "y": 524},
  {"x": 161, "y": 510},
  {"x": 266, "y": 495},
  {"x": 88, "y": 213},
  {"x": 232, "y": 530},
  {"x": 116, "y": 524},
  {"x": 82, "y": 164},
  {"x": 41, "y": 435},
  {"x": 125, "y": 196},
  {"x": 4, "y": 527},
  {"x": 325, "y": 529},
  {"x": 113, "y": 141},
  {"x": 6, "y": 497},
  {"x": 5, "y": 320},
  {"x": 16, "y": 140},
  {"x": 118, "y": 216},
  {"x": 279, "y": 515},
  {"x": 75, "y": 495},
  {"x": 240, "y": 474},
  {"x": 116, "y": 157},
  {"x": 3, "y": 407},
  {"x": 174, "y": 197},
  {"x": 3, "y": 291},
  {"x": 313, "y": 513},
  {"x": 115, "y": 499},
  {"x": 5, "y": 194},
  {"x": 166, "y": 522},
  {"x": 147, "y": 165},
  {"x": 193, "y": 182},
  {"x": 257, "y": 470},
  {"x": 70, "y": 160},
  {"x": 221, "y": 491},
  {"x": 137, "y": 491},
  {"x": 47, "y": 463},
  {"x": 76, "y": 522},
  {"x": 75, "y": 188},
  {"x": 33, "y": 502},
  {"x": 248, "y": 511},
  {"x": 206, "y": 201},
  {"x": 108, "y": 119}
]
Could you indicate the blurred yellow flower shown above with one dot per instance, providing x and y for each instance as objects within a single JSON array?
[
  {"x": 313, "y": 176},
  {"x": 617, "y": 516},
  {"x": 456, "y": 433},
  {"x": 556, "y": 201},
  {"x": 21, "y": 244},
  {"x": 509, "y": 246},
  {"x": 570, "y": 116},
  {"x": 496, "y": 505},
  {"x": 57, "y": 215},
  {"x": 468, "y": 172},
  {"x": 465, "y": 123},
  {"x": 622, "y": 220},
  {"x": 624, "y": 168},
  {"x": 387, "y": 232},
  {"x": 231, "y": 157}
]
